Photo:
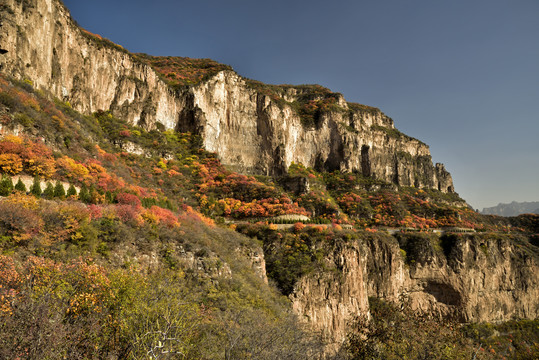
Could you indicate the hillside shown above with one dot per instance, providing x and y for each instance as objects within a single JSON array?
[
  {"x": 145, "y": 205},
  {"x": 139, "y": 233}
]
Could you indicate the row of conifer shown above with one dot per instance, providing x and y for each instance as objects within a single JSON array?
[{"x": 50, "y": 191}]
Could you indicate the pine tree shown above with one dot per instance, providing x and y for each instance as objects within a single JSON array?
[
  {"x": 20, "y": 186},
  {"x": 36, "y": 187},
  {"x": 84, "y": 194},
  {"x": 6, "y": 185},
  {"x": 59, "y": 191},
  {"x": 71, "y": 191},
  {"x": 109, "y": 197},
  {"x": 48, "y": 193}
]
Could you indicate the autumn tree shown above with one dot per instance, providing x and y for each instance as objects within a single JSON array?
[{"x": 10, "y": 164}]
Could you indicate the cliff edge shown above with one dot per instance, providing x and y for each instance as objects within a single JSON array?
[{"x": 253, "y": 127}]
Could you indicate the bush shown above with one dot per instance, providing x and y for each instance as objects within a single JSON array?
[
  {"x": 71, "y": 191},
  {"x": 48, "y": 193},
  {"x": 59, "y": 191},
  {"x": 10, "y": 164}
]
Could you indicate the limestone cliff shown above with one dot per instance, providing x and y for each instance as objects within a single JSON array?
[
  {"x": 328, "y": 300},
  {"x": 250, "y": 129},
  {"x": 471, "y": 278}
]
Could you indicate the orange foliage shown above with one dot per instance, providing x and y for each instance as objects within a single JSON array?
[
  {"x": 10, "y": 164},
  {"x": 36, "y": 157},
  {"x": 158, "y": 215}
]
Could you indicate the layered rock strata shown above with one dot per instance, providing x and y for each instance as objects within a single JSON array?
[
  {"x": 469, "y": 278},
  {"x": 250, "y": 131}
]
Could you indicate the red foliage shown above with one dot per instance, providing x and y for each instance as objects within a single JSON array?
[
  {"x": 128, "y": 199},
  {"x": 128, "y": 213}
]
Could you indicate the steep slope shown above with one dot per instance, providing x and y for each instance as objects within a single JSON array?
[
  {"x": 143, "y": 180},
  {"x": 250, "y": 128},
  {"x": 469, "y": 278}
]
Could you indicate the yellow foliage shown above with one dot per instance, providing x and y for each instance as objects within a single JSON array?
[
  {"x": 26, "y": 201},
  {"x": 40, "y": 167},
  {"x": 10, "y": 164},
  {"x": 13, "y": 139},
  {"x": 73, "y": 169}
]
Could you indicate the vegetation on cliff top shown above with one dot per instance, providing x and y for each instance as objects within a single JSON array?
[
  {"x": 179, "y": 71},
  {"x": 125, "y": 267}
]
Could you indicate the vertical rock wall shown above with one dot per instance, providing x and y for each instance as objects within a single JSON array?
[{"x": 250, "y": 132}]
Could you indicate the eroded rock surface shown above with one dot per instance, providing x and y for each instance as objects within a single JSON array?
[{"x": 249, "y": 130}]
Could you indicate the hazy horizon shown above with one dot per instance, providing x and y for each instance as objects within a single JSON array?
[{"x": 461, "y": 76}]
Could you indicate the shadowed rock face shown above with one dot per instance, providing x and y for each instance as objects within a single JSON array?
[
  {"x": 471, "y": 278},
  {"x": 251, "y": 132}
]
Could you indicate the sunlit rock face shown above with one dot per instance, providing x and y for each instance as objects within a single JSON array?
[
  {"x": 251, "y": 132},
  {"x": 45, "y": 46},
  {"x": 472, "y": 278},
  {"x": 329, "y": 300}
]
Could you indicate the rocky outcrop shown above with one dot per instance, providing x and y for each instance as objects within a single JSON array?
[
  {"x": 45, "y": 46},
  {"x": 328, "y": 300},
  {"x": 474, "y": 277},
  {"x": 250, "y": 130},
  {"x": 468, "y": 277}
]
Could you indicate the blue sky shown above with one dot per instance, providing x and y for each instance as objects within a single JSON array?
[{"x": 460, "y": 75}]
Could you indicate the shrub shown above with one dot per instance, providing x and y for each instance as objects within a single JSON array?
[
  {"x": 48, "y": 193},
  {"x": 10, "y": 164},
  {"x": 84, "y": 194},
  {"x": 59, "y": 191},
  {"x": 71, "y": 191}
]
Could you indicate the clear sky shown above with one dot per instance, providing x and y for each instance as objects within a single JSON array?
[{"x": 460, "y": 75}]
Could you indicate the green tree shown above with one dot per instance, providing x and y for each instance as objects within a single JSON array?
[
  {"x": 36, "y": 187},
  {"x": 20, "y": 186},
  {"x": 59, "y": 191},
  {"x": 71, "y": 191},
  {"x": 48, "y": 193},
  {"x": 6, "y": 185},
  {"x": 84, "y": 194}
]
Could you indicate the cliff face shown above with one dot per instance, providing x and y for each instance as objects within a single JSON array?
[
  {"x": 45, "y": 46},
  {"x": 252, "y": 132},
  {"x": 249, "y": 130},
  {"x": 473, "y": 278},
  {"x": 328, "y": 300}
]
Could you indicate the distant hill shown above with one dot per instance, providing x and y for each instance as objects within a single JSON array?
[{"x": 512, "y": 209}]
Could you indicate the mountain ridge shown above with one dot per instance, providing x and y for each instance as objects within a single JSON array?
[
  {"x": 258, "y": 129},
  {"x": 513, "y": 208}
]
